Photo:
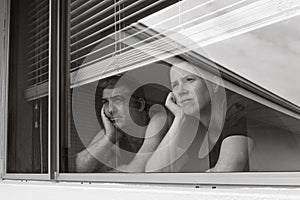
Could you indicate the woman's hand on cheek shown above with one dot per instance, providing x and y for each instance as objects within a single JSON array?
[{"x": 173, "y": 107}]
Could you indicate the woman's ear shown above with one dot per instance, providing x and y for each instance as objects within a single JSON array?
[{"x": 141, "y": 104}]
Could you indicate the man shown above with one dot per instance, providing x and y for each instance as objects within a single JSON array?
[{"x": 121, "y": 144}]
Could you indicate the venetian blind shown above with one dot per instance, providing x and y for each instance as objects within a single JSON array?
[
  {"x": 181, "y": 27},
  {"x": 99, "y": 30},
  {"x": 38, "y": 49},
  {"x": 127, "y": 34}
]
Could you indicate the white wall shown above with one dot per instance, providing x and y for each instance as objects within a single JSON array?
[{"x": 41, "y": 190}]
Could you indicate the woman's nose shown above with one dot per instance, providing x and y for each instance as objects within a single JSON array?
[{"x": 182, "y": 90}]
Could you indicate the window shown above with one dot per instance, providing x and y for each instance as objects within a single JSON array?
[
  {"x": 95, "y": 27},
  {"x": 27, "y": 141},
  {"x": 172, "y": 90}
]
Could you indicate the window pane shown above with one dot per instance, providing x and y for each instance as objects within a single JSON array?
[
  {"x": 124, "y": 118},
  {"x": 93, "y": 31},
  {"x": 261, "y": 133},
  {"x": 28, "y": 87}
]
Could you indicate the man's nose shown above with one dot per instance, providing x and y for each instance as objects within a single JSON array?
[{"x": 110, "y": 108}]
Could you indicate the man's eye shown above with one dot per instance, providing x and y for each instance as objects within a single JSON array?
[
  {"x": 118, "y": 99},
  {"x": 104, "y": 101}
]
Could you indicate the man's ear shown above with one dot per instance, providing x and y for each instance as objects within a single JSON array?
[{"x": 141, "y": 104}]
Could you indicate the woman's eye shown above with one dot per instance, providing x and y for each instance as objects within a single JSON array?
[{"x": 190, "y": 79}]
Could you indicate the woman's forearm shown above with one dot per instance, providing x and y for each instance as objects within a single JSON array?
[
  {"x": 234, "y": 154},
  {"x": 154, "y": 133},
  {"x": 165, "y": 154}
]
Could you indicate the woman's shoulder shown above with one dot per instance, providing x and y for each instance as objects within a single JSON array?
[
  {"x": 236, "y": 115},
  {"x": 235, "y": 99},
  {"x": 236, "y": 105}
]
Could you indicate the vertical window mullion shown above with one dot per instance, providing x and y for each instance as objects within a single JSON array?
[
  {"x": 53, "y": 84},
  {"x": 63, "y": 84}
]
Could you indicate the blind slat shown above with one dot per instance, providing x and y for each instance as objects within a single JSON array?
[
  {"x": 39, "y": 34},
  {"x": 38, "y": 19},
  {"x": 137, "y": 55},
  {"x": 38, "y": 50},
  {"x": 37, "y": 77},
  {"x": 40, "y": 68},
  {"x": 35, "y": 16},
  {"x": 38, "y": 84},
  {"x": 76, "y": 13},
  {"x": 86, "y": 20},
  {"x": 105, "y": 19},
  {"x": 34, "y": 4},
  {"x": 37, "y": 7},
  {"x": 37, "y": 62},
  {"x": 36, "y": 27},
  {"x": 39, "y": 41},
  {"x": 116, "y": 23},
  {"x": 77, "y": 3}
]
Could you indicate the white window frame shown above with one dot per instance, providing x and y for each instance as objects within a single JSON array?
[
  {"x": 221, "y": 178},
  {"x": 231, "y": 178},
  {"x": 5, "y": 78},
  {"x": 243, "y": 178}
]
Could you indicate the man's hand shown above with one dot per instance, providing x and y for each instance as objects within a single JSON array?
[
  {"x": 99, "y": 150},
  {"x": 110, "y": 130}
]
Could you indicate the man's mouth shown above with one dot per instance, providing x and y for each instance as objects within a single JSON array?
[{"x": 114, "y": 119}]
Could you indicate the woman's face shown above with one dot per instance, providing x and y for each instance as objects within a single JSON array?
[{"x": 189, "y": 88}]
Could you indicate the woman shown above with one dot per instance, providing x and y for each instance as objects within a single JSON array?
[{"x": 200, "y": 137}]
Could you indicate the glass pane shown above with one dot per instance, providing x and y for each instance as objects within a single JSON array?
[
  {"x": 28, "y": 87},
  {"x": 162, "y": 98},
  {"x": 93, "y": 32},
  {"x": 138, "y": 128}
]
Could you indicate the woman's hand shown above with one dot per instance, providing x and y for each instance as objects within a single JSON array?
[{"x": 173, "y": 107}]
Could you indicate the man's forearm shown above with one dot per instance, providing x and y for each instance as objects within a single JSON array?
[{"x": 98, "y": 151}]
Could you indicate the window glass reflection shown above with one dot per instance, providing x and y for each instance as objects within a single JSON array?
[{"x": 27, "y": 148}]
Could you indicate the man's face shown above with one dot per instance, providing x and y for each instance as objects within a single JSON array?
[{"x": 116, "y": 106}]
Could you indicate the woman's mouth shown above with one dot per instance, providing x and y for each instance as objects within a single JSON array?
[{"x": 185, "y": 101}]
